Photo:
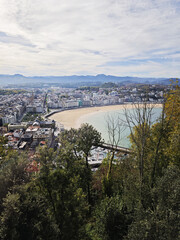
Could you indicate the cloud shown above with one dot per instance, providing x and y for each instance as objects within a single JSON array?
[
  {"x": 107, "y": 36},
  {"x": 8, "y": 39}
]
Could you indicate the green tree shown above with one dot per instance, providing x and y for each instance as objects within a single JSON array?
[
  {"x": 48, "y": 205},
  {"x": 65, "y": 199},
  {"x": 172, "y": 111},
  {"x": 12, "y": 174},
  {"x": 80, "y": 142},
  {"x": 24, "y": 216},
  {"x": 88, "y": 137},
  {"x": 111, "y": 220},
  {"x": 3, "y": 151},
  {"x": 161, "y": 221},
  {"x": 139, "y": 122},
  {"x": 69, "y": 141}
]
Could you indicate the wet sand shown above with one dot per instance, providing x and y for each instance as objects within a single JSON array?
[{"x": 75, "y": 117}]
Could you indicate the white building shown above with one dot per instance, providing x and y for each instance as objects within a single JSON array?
[{"x": 71, "y": 103}]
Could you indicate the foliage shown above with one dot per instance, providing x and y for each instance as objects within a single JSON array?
[
  {"x": 24, "y": 217},
  {"x": 3, "y": 150},
  {"x": 172, "y": 104},
  {"x": 65, "y": 202},
  {"x": 172, "y": 111},
  {"x": 160, "y": 221},
  {"x": 109, "y": 85},
  {"x": 111, "y": 220},
  {"x": 88, "y": 137},
  {"x": 12, "y": 174},
  {"x": 51, "y": 201},
  {"x": 81, "y": 142},
  {"x": 32, "y": 117}
]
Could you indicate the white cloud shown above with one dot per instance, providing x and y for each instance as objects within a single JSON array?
[{"x": 64, "y": 37}]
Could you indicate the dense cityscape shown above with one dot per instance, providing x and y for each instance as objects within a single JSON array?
[{"x": 24, "y": 113}]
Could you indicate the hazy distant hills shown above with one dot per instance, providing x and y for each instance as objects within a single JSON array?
[{"x": 74, "y": 80}]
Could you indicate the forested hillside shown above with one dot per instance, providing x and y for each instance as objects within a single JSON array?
[{"x": 132, "y": 198}]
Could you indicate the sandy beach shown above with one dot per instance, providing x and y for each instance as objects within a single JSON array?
[{"x": 75, "y": 117}]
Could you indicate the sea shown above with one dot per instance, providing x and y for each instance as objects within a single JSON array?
[{"x": 100, "y": 122}]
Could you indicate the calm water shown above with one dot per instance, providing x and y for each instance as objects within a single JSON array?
[{"x": 99, "y": 121}]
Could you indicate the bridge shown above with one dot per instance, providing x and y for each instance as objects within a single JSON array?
[
  {"x": 95, "y": 163},
  {"x": 116, "y": 148}
]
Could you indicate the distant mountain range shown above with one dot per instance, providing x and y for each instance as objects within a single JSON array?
[{"x": 74, "y": 80}]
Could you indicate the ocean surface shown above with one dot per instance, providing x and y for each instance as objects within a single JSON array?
[{"x": 99, "y": 121}]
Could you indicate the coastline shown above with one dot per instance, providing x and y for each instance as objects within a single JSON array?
[{"x": 75, "y": 117}]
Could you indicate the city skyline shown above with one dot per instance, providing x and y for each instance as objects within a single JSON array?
[{"x": 121, "y": 38}]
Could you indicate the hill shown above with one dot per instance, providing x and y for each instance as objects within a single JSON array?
[{"x": 74, "y": 80}]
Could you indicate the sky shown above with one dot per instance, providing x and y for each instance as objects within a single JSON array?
[{"x": 79, "y": 37}]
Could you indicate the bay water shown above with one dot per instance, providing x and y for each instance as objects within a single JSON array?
[{"x": 99, "y": 121}]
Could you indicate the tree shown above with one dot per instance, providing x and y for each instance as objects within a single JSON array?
[
  {"x": 165, "y": 136},
  {"x": 3, "y": 151},
  {"x": 115, "y": 129},
  {"x": 48, "y": 205},
  {"x": 82, "y": 140},
  {"x": 124, "y": 182},
  {"x": 88, "y": 137},
  {"x": 139, "y": 122},
  {"x": 172, "y": 103},
  {"x": 12, "y": 174},
  {"x": 24, "y": 216},
  {"x": 172, "y": 111},
  {"x": 111, "y": 220},
  {"x": 162, "y": 220},
  {"x": 65, "y": 200},
  {"x": 80, "y": 143},
  {"x": 69, "y": 140}
]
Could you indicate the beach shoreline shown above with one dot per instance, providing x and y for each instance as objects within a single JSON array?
[{"x": 75, "y": 117}]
